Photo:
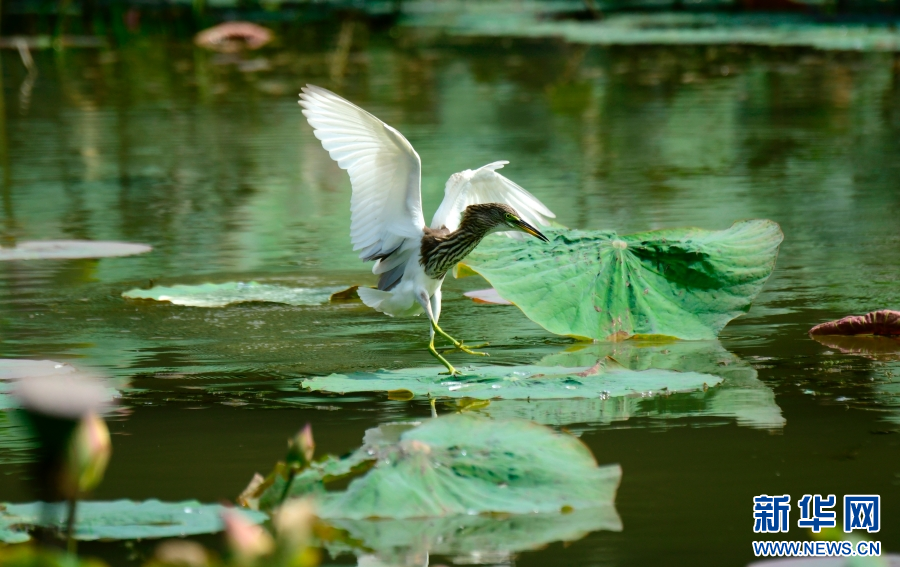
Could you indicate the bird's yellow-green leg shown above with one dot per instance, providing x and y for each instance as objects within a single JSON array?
[
  {"x": 450, "y": 370},
  {"x": 458, "y": 344}
]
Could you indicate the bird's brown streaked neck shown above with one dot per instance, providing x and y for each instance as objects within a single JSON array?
[{"x": 442, "y": 249}]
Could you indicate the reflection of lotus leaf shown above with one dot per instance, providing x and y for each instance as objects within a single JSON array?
[
  {"x": 604, "y": 380},
  {"x": 740, "y": 395},
  {"x": 481, "y": 535},
  {"x": 878, "y": 348},
  {"x": 685, "y": 283},
  {"x": 119, "y": 519},
  {"x": 70, "y": 250},
  {"x": 220, "y": 295},
  {"x": 458, "y": 465}
]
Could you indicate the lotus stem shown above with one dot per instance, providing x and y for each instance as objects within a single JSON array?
[{"x": 70, "y": 526}]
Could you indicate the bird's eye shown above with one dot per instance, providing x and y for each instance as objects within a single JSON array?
[{"x": 510, "y": 217}]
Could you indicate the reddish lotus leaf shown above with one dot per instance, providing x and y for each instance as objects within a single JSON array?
[
  {"x": 231, "y": 37},
  {"x": 884, "y": 322},
  {"x": 489, "y": 296}
]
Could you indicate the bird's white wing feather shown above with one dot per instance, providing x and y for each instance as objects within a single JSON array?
[
  {"x": 385, "y": 171},
  {"x": 485, "y": 185}
]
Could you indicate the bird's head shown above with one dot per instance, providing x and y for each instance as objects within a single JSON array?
[{"x": 497, "y": 217}]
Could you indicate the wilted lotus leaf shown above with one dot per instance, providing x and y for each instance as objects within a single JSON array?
[
  {"x": 119, "y": 519},
  {"x": 220, "y": 295},
  {"x": 458, "y": 465},
  {"x": 70, "y": 250},
  {"x": 884, "y": 322},
  {"x": 345, "y": 294},
  {"x": 686, "y": 283},
  {"x": 604, "y": 379}
]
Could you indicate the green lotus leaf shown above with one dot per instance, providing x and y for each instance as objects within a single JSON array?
[
  {"x": 70, "y": 250},
  {"x": 605, "y": 379},
  {"x": 220, "y": 295},
  {"x": 456, "y": 465},
  {"x": 685, "y": 283},
  {"x": 119, "y": 519}
]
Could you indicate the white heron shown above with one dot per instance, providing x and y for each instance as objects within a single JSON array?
[{"x": 386, "y": 222}]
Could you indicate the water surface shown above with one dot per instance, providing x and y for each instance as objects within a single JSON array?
[{"x": 216, "y": 168}]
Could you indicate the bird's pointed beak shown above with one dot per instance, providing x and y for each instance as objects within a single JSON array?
[{"x": 525, "y": 227}]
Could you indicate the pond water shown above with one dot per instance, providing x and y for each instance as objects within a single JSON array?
[{"x": 209, "y": 160}]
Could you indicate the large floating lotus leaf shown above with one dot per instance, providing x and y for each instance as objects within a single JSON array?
[
  {"x": 220, "y": 295},
  {"x": 602, "y": 380},
  {"x": 884, "y": 322},
  {"x": 685, "y": 283},
  {"x": 457, "y": 465},
  {"x": 475, "y": 535},
  {"x": 119, "y": 519},
  {"x": 70, "y": 250}
]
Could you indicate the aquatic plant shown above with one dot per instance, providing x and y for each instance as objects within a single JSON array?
[
  {"x": 884, "y": 322},
  {"x": 685, "y": 283}
]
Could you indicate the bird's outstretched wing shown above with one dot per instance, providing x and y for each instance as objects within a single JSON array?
[
  {"x": 485, "y": 185},
  {"x": 385, "y": 172}
]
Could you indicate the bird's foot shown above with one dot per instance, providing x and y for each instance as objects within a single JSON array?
[
  {"x": 468, "y": 349},
  {"x": 450, "y": 370}
]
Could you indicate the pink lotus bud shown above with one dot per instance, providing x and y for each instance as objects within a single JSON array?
[
  {"x": 293, "y": 522},
  {"x": 88, "y": 454},
  {"x": 301, "y": 448},
  {"x": 246, "y": 540}
]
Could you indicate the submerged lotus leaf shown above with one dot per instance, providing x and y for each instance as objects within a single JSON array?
[
  {"x": 119, "y": 519},
  {"x": 220, "y": 295},
  {"x": 70, "y": 250},
  {"x": 459, "y": 465},
  {"x": 884, "y": 322},
  {"x": 602, "y": 380},
  {"x": 685, "y": 283}
]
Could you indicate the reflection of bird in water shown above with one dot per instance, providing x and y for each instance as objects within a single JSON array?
[{"x": 387, "y": 224}]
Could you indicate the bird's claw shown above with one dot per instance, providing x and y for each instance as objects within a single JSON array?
[{"x": 468, "y": 350}]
